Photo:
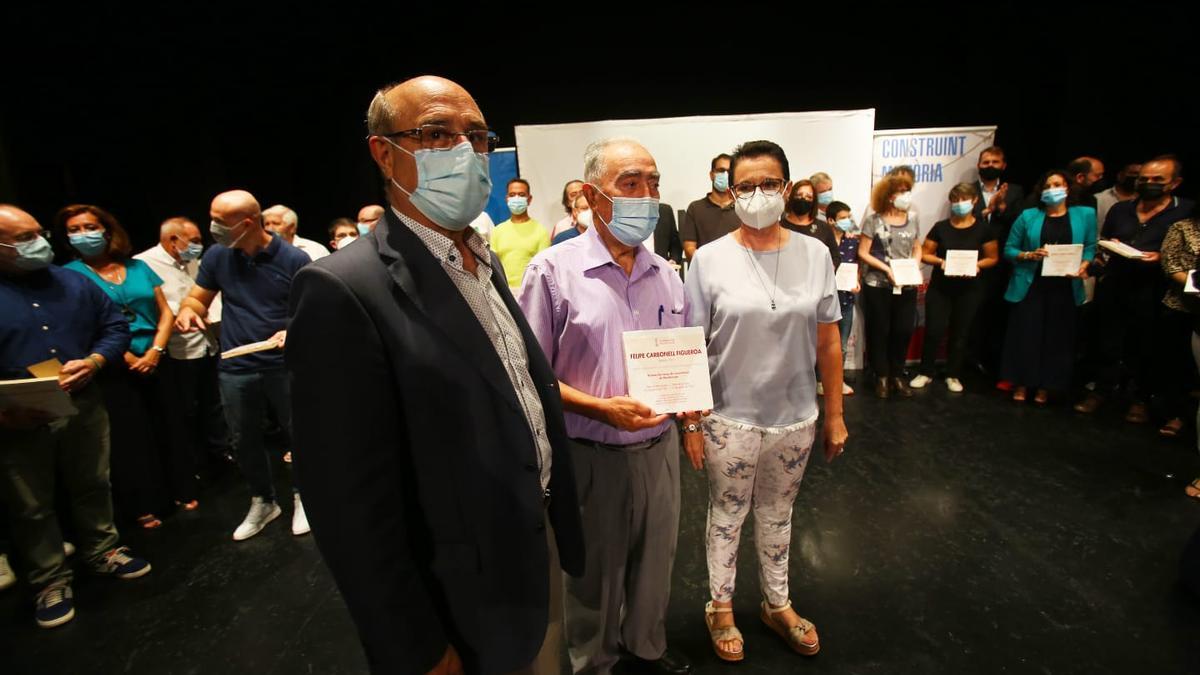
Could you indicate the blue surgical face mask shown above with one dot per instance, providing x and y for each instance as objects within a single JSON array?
[
  {"x": 192, "y": 252},
  {"x": 34, "y": 254},
  {"x": 517, "y": 205},
  {"x": 223, "y": 234},
  {"x": 1054, "y": 196},
  {"x": 452, "y": 185},
  {"x": 825, "y": 198},
  {"x": 363, "y": 229},
  {"x": 721, "y": 181},
  {"x": 633, "y": 218},
  {"x": 88, "y": 243},
  {"x": 962, "y": 208},
  {"x": 845, "y": 224}
]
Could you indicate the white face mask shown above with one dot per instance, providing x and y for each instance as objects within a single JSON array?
[
  {"x": 584, "y": 218},
  {"x": 345, "y": 241},
  {"x": 758, "y": 210},
  {"x": 903, "y": 201}
]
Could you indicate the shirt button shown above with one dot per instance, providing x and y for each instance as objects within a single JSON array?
[
  {"x": 45, "y": 327},
  {"x": 53, "y": 351},
  {"x": 36, "y": 305}
]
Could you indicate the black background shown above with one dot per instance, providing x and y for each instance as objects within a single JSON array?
[{"x": 150, "y": 115}]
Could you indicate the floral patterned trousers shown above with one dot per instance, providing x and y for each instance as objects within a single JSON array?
[{"x": 760, "y": 468}]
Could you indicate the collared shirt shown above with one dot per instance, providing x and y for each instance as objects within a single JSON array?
[
  {"x": 177, "y": 280},
  {"x": 56, "y": 313},
  {"x": 988, "y": 194},
  {"x": 705, "y": 221},
  {"x": 493, "y": 315},
  {"x": 315, "y": 250},
  {"x": 255, "y": 298},
  {"x": 1123, "y": 223},
  {"x": 1104, "y": 202},
  {"x": 579, "y": 301}
]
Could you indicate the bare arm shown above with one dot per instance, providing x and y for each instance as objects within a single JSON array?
[{"x": 829, "y": 362}]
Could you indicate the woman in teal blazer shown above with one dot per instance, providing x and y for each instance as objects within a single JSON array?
[{"x": 1039, "y": 347}]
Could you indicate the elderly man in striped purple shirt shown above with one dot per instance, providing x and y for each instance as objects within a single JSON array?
[{"x": 579, "y": 297}]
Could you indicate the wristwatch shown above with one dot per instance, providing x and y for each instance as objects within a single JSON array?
[
  {"x": 691, "y": 428},
  {"x": 160, "y": 350}
]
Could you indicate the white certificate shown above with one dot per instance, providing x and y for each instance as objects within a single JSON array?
[
  {"x": 906, "y": 272},
  {"x": 39, "y": 393},
  {"x": 1189, "y": 286},
  {"x": 962, "y": 263},
  {"x": 667, "y": 369},
  {"x": 847, "y": 276},
  {"x": 1120, "y": 248},
  {"x": 1064, "y": 259}
]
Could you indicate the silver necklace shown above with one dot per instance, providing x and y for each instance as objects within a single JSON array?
[{"x": 775, "y": 280}]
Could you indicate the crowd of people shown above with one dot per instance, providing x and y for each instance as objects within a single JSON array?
[{"x": 502, "y": 444}]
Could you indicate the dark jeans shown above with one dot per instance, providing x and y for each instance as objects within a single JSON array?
[
  {"x": 247, "y": 397},
  {"x": 198, "y": 422},
  {"x": 890, "y": 321},
  {"x": 75, "y": 451},
  {"x": 949, "y": 305}
]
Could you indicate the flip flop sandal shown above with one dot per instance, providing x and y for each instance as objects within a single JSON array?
[
  {"x": 724, "y": 634},
  {"x": 1171, "y": 429},
  {"x": 802, "y": 638}
]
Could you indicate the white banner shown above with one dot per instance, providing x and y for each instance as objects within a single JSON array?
[
  {"x": 837, "y": 142},
  {"x": 941, "y": 159}
]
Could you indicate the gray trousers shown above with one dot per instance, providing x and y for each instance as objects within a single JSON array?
[
  {"x": 629, "y": 505},
  {"x": 74, "y": 450}
]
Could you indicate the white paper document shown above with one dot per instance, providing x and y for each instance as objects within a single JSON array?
[
  {"x": 1064, "y": 259},
  {"x": 38, "y": 393},
  {"x": 1189, "y": 286},
  {"x": 847, "y": 276},
  {"x": 1121, "y": 249},
  {"x": 253, "y": 347},
  {"x": 962, "y": 263},
  {"x": 667, "y": 369},
  {"x": 907, "y": 272}
]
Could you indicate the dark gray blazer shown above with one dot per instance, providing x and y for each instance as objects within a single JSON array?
[{"x": 417, "y": 466}]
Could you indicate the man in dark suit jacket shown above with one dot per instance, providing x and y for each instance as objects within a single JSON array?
[
  {"x": 999, "y": 205},
  {"x": 430, "y": 505}
]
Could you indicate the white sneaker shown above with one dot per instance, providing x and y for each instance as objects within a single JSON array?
[
  {"x": 261, "y": 512},
  {"x": 820, "y": 389},
  {"x": 847, "y": 390},
  {"x": 920, "y": 381},
  {"x": 7, "y": 578},
  {"x": 954, "y": 385},
  {"x": 299, "y": 520},
  {"x": 68, "y": 549}
]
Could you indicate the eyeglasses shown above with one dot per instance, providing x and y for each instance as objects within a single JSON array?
[
  {"x": 26, "y": 237},
  {"x": 770, "y": 187},
  {"x": 438, "y": 137}
]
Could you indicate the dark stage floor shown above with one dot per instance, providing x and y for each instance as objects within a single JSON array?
[{"x": 959, "y": 534}]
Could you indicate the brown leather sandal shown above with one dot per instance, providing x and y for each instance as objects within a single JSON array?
[
  {"x": 802, "y": 638},
  {"x": 723, "y": 634}
]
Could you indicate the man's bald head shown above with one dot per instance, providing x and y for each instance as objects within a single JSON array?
[
  {"x": 399, "y": 106},
  {"x": 16, "y": 226},
  {"x": 370, "y": 215},
  {"x": 234, "y": 206},
  {"x": 13, "y": 216}
]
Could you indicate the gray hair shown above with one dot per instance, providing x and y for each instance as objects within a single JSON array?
[
  {"x": 170, "y": 224},
  {"x": 380, "y": 114},
  {"x": 594, "y": 164},
  {"x": 289, "y": 216},
  {"x": 820, "y": 178}
]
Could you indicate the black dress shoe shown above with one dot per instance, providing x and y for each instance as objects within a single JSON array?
[
  {"x": 881, "y": 387},
  {"x": 670, "y": 663}
]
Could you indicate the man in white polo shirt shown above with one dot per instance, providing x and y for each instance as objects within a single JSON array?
[
  {"x": 198, "y": 424},
  {"x": 283, "y": 221}
]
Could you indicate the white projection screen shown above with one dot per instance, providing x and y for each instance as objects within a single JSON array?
[{"x": 836, "y": 142}]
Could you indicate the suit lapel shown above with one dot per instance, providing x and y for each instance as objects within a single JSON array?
[
  {"x": 1035, "y": 229},
  {"x": 421, "y": 277}
]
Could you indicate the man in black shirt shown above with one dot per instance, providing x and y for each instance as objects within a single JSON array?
[
  {"x": 711, "y": 217},
  {"x": 999, "y": 204},
  {"x": 1086, "y": 174},
  {"x": 1129, "y": 294}
]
